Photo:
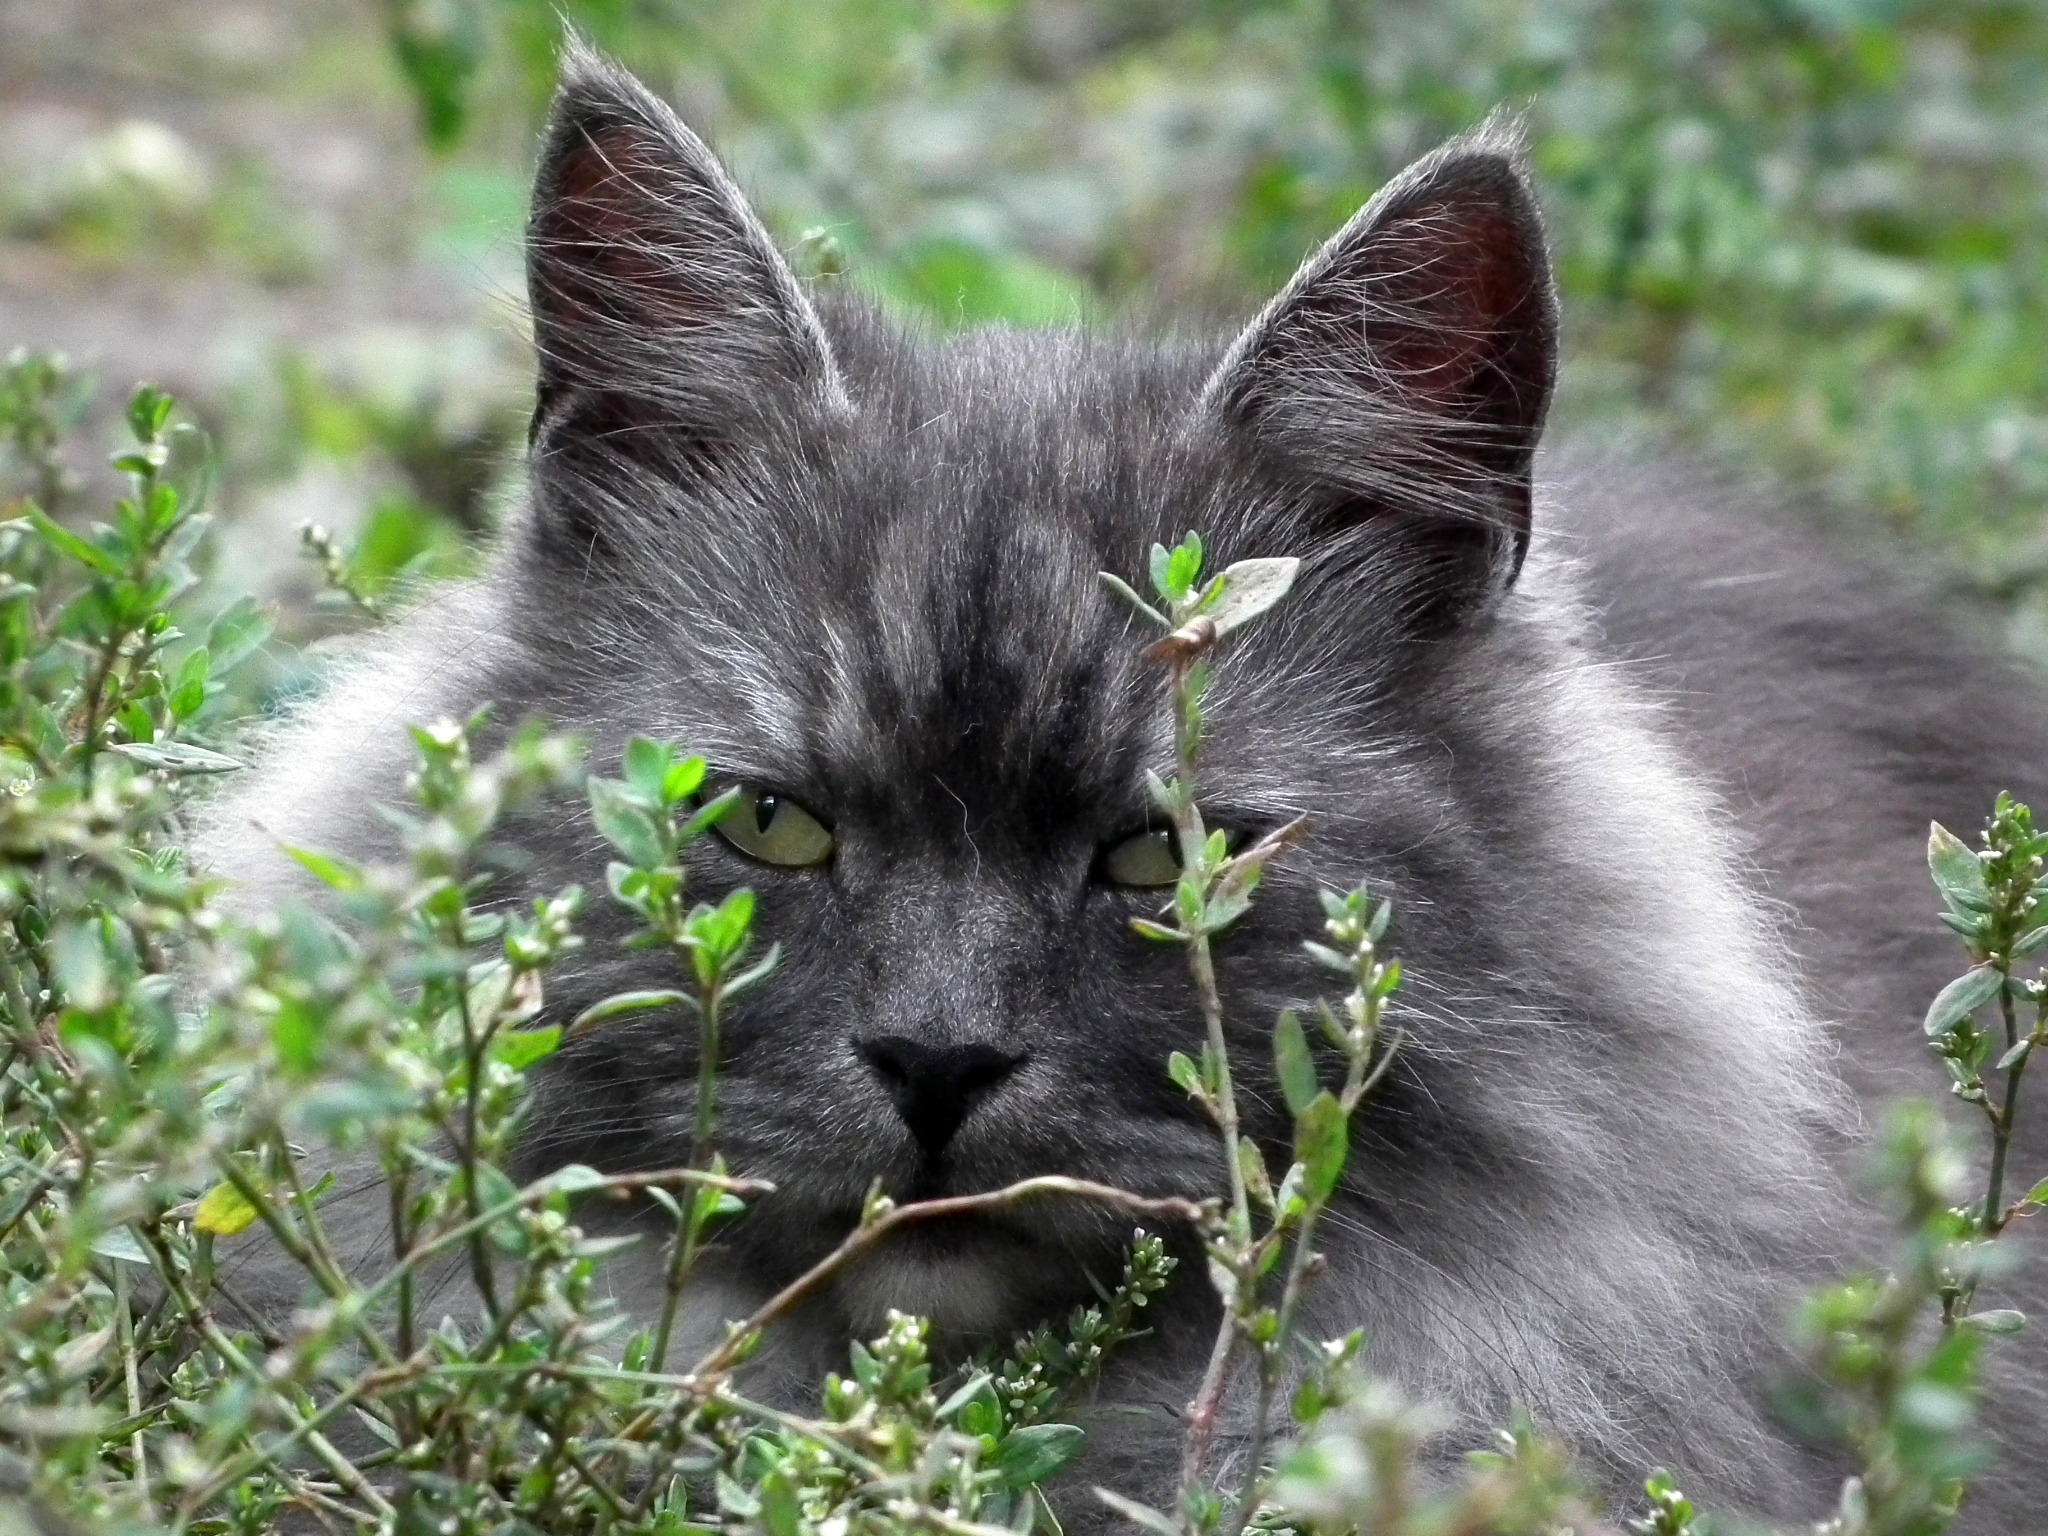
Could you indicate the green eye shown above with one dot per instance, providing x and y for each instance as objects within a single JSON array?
[
  {"x": 1145, "y": 860},
  {"x": 776, "y": 830}
]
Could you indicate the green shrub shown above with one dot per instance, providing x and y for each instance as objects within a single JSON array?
[{"x": 172, "y": 1078}]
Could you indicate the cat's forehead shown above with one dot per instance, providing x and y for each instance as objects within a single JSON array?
[{"x": 968, "y": 640}]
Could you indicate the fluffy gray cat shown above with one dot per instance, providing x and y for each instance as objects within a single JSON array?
[{"x": 1646, "y": 779}]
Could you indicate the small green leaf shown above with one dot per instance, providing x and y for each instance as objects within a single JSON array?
[
  {"x": 1029, "y": 1456},
  {"x": 1958, "y": 872},
  {"x": 575, "y": 1178},
  {"x": 619, "y": 1004},
  {"x": 1309, "y": 1401},
  {"x": 1185, "y": 1074},
  {"x": 224, "y": 1211},
  {"x": 1382, "y": 918},
  {"x": 1123, "y": 589},
  {"x": 977, "y": 1387},
  {"x": 495, "y": 1191},
  {"x": 1251, "y": 588},
  {"x": 2038, "y": 1195},
  {"x": 120, "y": 1243},
  {"x": 626, "y": 824},
  {"x": 682, "y": 780},
  {"x": 647, "y": 764},
  {"x": 746, "y": 979},
  {"x": 176, "y": 757},
  {"x": 1183, "y": 569},
  {"x": 781, "y": 1514},
  {"x": 734, "y": 1499},
  {"x": 1287, "y": 1199},
  {"x": 866, "y": 1369},
  {"x": 84, "y": 971},
  {"x": 1231, "y": 901},
  {"x": 1156, "y": 566},
  {"x": 1320, "y": 1145},
  {"x": 188, "y": 692},
  {"x": 1165, "y": 797},
  {"x": 336, "y": 873},
  {"x": 64, "y": 541},
  {"x": 148, "y": 409},
  {"x": 1998, "y": 1320},
  {"x": 1962, "y": 997},
  {"x": 296, "y": 1039},
  {"x": 1251, "y": 1166},
  {"x": 522, "y": 1048},
  {"x": 1296, "y": 1068},
  {"x": 710, "y": 813},
  {"x": 77, "y": 1356},
  {"x": 719, "y": 933}
]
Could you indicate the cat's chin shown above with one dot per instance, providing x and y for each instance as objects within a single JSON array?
[
  {"x": 963, "y": 1296},
  {"x": 972, "y": 1285}
]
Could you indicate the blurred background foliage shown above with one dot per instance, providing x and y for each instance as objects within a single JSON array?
[{"x": 1808, "y": 237}]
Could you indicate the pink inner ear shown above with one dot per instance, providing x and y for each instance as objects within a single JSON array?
[
  {"x": 1442, "y": 294},
  {"x": 616, "y": 235}
]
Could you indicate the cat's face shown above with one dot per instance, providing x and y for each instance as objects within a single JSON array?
[{"x": 858, "y": 572}]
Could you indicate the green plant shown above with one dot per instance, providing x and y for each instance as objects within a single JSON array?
[
  {"x": 149, "y": 1127},
  {"x": 176, "y": 1081},
  {"x": 1214, "y": 891}
]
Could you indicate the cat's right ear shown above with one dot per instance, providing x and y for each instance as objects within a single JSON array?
[{"x": 663, "y": 314}]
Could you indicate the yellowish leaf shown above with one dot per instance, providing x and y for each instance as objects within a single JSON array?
[{"x": 223, "y": 1212}]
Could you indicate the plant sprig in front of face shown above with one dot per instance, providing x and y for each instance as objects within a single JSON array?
[{"x": 1263, "y": 1221}]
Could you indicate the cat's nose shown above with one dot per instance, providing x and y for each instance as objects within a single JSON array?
[{"x": 935, "y": 1087}]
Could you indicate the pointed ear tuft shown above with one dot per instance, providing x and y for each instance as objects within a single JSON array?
[
  {"x": 1404, "y": 373},
  {"x": 659, "y": 300}
]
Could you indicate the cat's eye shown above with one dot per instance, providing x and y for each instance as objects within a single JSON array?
[
  {"x": 1145, "y": 860},
  {"x": 776, "y": 830}
]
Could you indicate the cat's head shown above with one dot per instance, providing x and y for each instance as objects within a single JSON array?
[{"x": 857, "y": 569}]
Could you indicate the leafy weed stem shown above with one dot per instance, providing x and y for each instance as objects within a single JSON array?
[
  {"x": 581, "y": 1181},
  {"x": 1997, "y": 900},
  {"x": 1213, "y": 891},
  {"x": 710, "y": 1005},
  {"x": 682, "y": 1255},
  {"x": 316, "y": 1261},
  {"x": 474, "y": 1044},
  {"x": 371, "y": 1382},
  {"x": 1191, "y": 838},
  {"x": 124, "y": 1319},
  {"x": 1355, "y": 927},
  {"x": 2002, "y": 1122},
  {"x": 203, "y": 1322}
]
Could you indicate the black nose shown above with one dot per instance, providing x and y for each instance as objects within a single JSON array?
[{"x": 935, "y": 1087}]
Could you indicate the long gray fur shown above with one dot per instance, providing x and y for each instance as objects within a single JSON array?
[{"x": 1645, "y": 776}]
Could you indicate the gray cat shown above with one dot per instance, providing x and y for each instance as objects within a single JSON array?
[{"x": 1646, "y": 780}]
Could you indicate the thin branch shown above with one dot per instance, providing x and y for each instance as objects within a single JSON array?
[
  {"x": 874, "y": 1233},
  {"x": 201, "y": 1319}
]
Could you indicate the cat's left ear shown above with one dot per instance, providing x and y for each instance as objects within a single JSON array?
[{"x": 1403, "y": 375}]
